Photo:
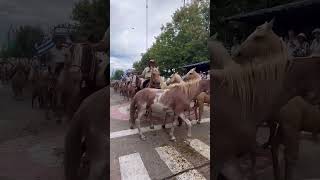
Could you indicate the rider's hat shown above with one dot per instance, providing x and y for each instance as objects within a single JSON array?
[
  {"x": 302, "y": 35},
  {"x": 152, "y": 61},
  {"x": 316, "y": 30}
]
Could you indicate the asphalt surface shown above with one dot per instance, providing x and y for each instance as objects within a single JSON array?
[
  {"x": 30, "y": 145},
  {"x": 161, "y": 158}
]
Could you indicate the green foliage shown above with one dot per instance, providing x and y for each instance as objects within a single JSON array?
[
  {"x": 117, "y": 74},
  {"x": 91, "y": 18},
  {"x": 224, "y": 8},
  {"x": 182, "y": 41},
  {"x": 23, "y": 44}
]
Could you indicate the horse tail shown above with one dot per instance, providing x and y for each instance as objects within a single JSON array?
[
  {"x": 132, "y": 112},
  {"x": 72, "y": 147}
]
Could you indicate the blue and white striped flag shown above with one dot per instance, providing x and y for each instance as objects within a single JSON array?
[{"x": 44, "y": 47}]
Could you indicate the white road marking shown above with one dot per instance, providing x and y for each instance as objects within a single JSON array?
[
  {"x": 132, "y": 168},
  {"x": 200, "y": 147},
  {"x": 177, "y": 163},
  {"x": 129, "y": 132}
]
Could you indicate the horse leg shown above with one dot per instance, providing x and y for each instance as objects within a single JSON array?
[
  {"x": 187, "y": 121},
  {"x": 140, "y": 114},
  {"x": 150, "y": 118},
  {"x": 232, "y": 170},
  {"x": 291, "y": 141},
  {"x": 97, "y": 156},
  {"x": 172, "y": 137},
  {"x": 165, "y": 121},
  {"x": 253, "y": 165},
  {"x": 275, "y": 157},
  {"x": 201, "y": 106}
]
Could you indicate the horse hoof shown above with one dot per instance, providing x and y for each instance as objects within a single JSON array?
[
  {"x": 143, "y": 138},
  {"x": 131, "y": 127},
  {"x": 163, "y": 126},
  {"x": 152, "y": 127},
  {"x": 198, "y": 122},
  {"x": 173, "y": 139},
  {"x": 189, "y": 135}
]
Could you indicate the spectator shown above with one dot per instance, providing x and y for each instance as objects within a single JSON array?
[
  {"x": 292, "y": 43},
  {"x": 302, "y": 49},
  {"x": 315, "y": 46}
]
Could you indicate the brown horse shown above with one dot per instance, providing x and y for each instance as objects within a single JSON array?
[
  {"x": 246, "y": 91},
  {"x": 18, "y": 80},
  {"x": 89, "y": 123},
  {"x": 201, "y": 99},
  {"x": 175, "y": 99},
  {"x": 155, "y": 80}
]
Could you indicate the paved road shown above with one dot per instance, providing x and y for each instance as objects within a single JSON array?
[
  {"x": 30, "y": 145},
  {"x": 157, "y": 157}
]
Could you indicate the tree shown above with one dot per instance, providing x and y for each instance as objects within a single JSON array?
[
  {"x": 23, "y": 44},
  {"x": 91, "y": 18},
  {"x": 117, "y": 74},
  {"x": 181, "y": 41}
]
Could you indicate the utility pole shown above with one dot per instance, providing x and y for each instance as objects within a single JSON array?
[{"x": 146, "y": 25}]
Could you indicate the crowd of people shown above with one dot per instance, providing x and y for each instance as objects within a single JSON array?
[{"x": 297, "y": 45}]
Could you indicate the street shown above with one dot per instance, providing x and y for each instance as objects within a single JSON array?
[
  {"x": 157, "y": 157},
  {"x": 30, "y": 145}
]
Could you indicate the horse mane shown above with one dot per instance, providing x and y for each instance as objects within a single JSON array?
[
  {"x": 219, "y": 55},
  {"x": 186, "y": 88},
  {"x": 243, "y": 83}
]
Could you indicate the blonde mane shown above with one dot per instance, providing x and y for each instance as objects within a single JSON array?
[
  {"x": 245, "y": 83},
  {"x": 186, "y": 88}
]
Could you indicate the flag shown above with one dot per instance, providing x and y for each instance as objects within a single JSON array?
[{"x": 44, "y": 47}]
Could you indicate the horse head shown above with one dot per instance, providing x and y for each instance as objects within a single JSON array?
[
  {"x": 261, "y": 45},
  {"x": 192, "y": 75},
  {"x": 155, "y": 79}
]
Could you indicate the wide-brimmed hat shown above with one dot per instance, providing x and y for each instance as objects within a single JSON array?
[
  {"x": 152, "y": 61},
  {"x": 302, "y": 35},
  {"x": 316, "y": 30}
]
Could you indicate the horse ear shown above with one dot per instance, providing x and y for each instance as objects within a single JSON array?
[{"x": 270, "y": 24}]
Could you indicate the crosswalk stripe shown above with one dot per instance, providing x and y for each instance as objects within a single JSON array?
[
  {"x": 200, "y": 147},
  {"x": 177, "y": 163},
  {"x": 132, "y": 168},
  {"x": 129, "y": 132}
]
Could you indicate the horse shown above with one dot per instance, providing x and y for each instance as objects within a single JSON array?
[
  {"x": 155, "y": 80},
  {"x": 89, "y": 123},
  {"x": 175, "y": 99},
  {"x": 81, "y": 76},
  {"x": 174, "y": 78},
  {"x": 200, "y": 100},
  {"x": 246, "y": 91},
  {"x": 18, "y": 80}
]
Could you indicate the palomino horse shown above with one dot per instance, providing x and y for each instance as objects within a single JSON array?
[
  {"x": 246, "y": 91},
  {"x": 89, "y": 122},
  {"x": 202, "y": 98},
  {"x": 175, "y": 99},
  {"x": 18, "y": 80}
]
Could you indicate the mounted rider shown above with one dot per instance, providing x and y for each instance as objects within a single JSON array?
[{"x": 146, "y": 74}]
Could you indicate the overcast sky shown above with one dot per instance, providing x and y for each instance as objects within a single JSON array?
[
  {"x": 33, "y": 12},
  {"x": 128, "y": 28}
]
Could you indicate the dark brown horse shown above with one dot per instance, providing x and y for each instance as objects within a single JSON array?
[
  {"x": 19, "y": 80},
  {"x": 89, "y": 123},
  {"x": 246, "y": 92}
]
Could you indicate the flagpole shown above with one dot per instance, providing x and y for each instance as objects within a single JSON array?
[{"x": 146, "y": 25}]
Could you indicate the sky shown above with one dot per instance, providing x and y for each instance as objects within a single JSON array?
[
  {"x": 41, "y": 13},
  {"x": 128, "y": 28}
]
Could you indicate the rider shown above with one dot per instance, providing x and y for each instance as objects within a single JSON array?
[{"x": 146, "y": 74}]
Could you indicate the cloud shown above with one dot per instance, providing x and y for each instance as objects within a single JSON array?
[
  {"x": 128, "y": 27},
  {"x": 41, "y": 13}
]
